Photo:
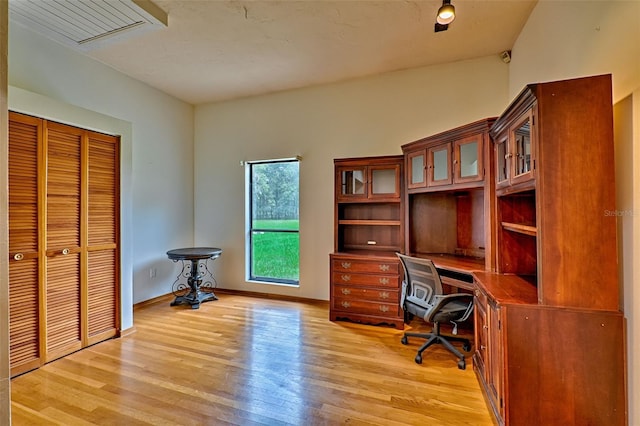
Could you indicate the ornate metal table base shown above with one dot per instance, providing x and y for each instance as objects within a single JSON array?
[{"x": 199, "y": 279}]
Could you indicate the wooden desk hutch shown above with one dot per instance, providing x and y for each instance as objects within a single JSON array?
[{"x": 514, "y": 209}]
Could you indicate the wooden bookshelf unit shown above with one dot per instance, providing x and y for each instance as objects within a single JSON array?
[{"x": 369, "y": 229}]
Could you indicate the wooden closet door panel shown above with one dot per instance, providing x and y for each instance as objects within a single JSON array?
[
  {"x": 23, "y": 184},
  {"x": 103, "y": 188},
  {"x": 63, "y": 187},
  {"x": 25, "y": 135},
  {"x": 63, "y": 315},
  {"x": 24, "y": 316},
  {"x": 63, "y": 238},
  {"x": 102, "y": 296},
  {"x": 102, "y": 235}
]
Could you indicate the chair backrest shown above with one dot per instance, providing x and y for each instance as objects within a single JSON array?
[{"x": 421, "y": 271}]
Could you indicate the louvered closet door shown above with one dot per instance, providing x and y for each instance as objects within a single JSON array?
[
  {"x": 63, "y": 297},
  {"x": 102, "y": 236},
  {"x": 25, "y": 135}
]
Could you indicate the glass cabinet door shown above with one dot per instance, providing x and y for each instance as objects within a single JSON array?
[
  {"x": 502, "y": 161},
  {"x": 385, "y": 181},
  {"x": 439, "y": 166},
  {"x": 522, "y": 159},
  {"x": 416, "y": 163},
  {"x": 353, "y": 182},
  {"x": 467, "y": 162}
]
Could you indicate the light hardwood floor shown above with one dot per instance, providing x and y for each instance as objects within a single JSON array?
[{"x": 250, "y": 361}]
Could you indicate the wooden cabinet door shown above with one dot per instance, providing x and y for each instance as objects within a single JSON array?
[
  {"x": 468, "y": 164},
  {"x": 417, "y": 169},
  {"x": 480, "y": 334},
  {"x": 503, "y": 170},
  {"x": 522, "y": 141},
  {"x": 63, "y": 298},
  {"x": 439, "y": 165},
  {"x": 102, "y": 237},
  {"x": 495, "y": 363},
  {"x": 384, "y": 181},
  {"x": 25, "y": 136},
  {"x": 351, "y": 183}
]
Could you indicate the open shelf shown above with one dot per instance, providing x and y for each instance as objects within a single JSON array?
[
  {"x": 369, "y": 226},
  {"x": 372, "y": 247},
  {"x": 369, "y": 222},
  {"x": 520, "y": 228},
  {"x": 448, "y": 223},
  {"x": 517, "y": 234}
]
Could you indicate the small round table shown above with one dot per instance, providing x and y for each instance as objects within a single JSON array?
[{"x": 195, "y": 272}]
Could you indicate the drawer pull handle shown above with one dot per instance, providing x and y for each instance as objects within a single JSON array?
[
  {"x": 346, "y": 278},
  {"x": 346, "y": 291},
  {"x": 384, "y": 295},
  {"x": 384, "y": 281},
  {"x": 483, "y": 347},
  {"x": 346, "y": 304},
  {"x": 384, "y": 308},
  {"x": 65, "y": 251},
  {"x": 346, "y": 265},
  {"x": 384, "y": 268},
  {"x": 18, "y": 256}
]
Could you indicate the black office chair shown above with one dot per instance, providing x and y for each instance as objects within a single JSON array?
[{"x": 422, "y": 296}]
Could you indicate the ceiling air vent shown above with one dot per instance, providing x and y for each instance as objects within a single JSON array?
[{"x": 87, "y": 24}]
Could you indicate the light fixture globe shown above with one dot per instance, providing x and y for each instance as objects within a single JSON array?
[{"x": 446, "y": 13}]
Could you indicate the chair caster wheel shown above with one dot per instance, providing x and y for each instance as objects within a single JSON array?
[
  {"x": 466, "y": 347},
  {"x": 462, "y": 364},
  {"x": 418, "y": 359},
  {"x": 404, "y": 340}
]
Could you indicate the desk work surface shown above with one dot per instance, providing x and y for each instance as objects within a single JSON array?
[{"x": 454, "y": 270}]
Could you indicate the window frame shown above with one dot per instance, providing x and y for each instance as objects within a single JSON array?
[{"x": 250, "y": 276}]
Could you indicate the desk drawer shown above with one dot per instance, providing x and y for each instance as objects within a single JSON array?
[
  {"x": 379, "y": 295},
  {"x": 386, "y": 281},
  {"x": 366, "y": 266},
  {"x": 380, "y": 309}
]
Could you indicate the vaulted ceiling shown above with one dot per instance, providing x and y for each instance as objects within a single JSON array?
[{"x": 214, "y": 50}]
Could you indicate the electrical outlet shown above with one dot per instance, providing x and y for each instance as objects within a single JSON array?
[{"x": 152, "y": 272}]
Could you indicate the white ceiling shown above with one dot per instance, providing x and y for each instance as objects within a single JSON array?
[{"x": 215, "y": 50}]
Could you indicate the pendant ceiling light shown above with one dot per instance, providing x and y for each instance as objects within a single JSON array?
[{"x": 446, "y": 13}]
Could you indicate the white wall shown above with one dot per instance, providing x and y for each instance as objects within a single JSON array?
[
  {"x": 370, "y": 116},
  {"x": 161, "y": 148},
  {"x": 566, "y": 39}
]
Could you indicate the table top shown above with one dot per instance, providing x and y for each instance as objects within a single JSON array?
[{"x": 192, "y": 253}]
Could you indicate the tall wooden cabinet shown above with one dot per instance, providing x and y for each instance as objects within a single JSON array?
[
  {"x": 364, "y": 270},
  {"x": 63, "y": 239},
  {"x": 549, "y": 330}
]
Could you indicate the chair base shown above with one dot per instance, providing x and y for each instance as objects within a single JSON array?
[{"x": 437, "y": 338}]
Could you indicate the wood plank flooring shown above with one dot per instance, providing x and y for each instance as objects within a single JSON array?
[{"x": 250, "y": 361}]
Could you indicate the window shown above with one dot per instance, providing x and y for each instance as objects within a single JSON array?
[{"x": 274, "y": 239}]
